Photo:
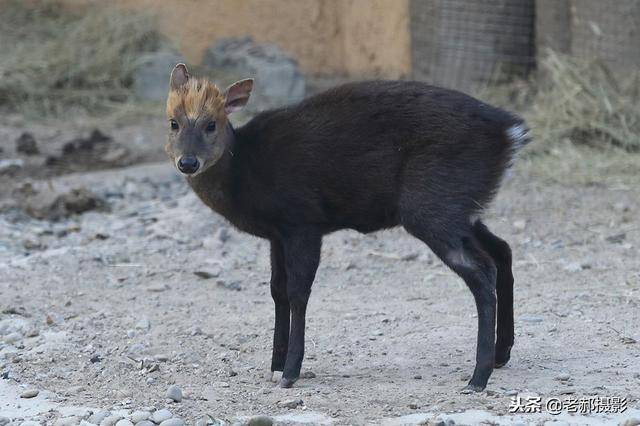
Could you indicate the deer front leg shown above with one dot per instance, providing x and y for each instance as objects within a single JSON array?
[{"x": 301, "y": 259}]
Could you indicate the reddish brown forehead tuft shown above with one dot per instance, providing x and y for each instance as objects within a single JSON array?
[{"x": 196, "y": 98}]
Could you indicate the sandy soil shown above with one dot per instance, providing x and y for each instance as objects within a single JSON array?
[{"x": 106, "y": 309}]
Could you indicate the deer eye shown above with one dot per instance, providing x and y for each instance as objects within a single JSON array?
[
  {"x": 211, "y": 126},
  {"x": 173, "y": 124}
]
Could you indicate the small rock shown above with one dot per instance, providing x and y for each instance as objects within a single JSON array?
[
  {"x": 633, "y": 421},
  {"x": 138, "y": 416},
  {"x": 222, "y": 234},
  {"x": 124, "y": 422},
  {"x": 4, "y": 421},
  {"x": 97, "y": 417},
  {"x": 290, "y": 403},
  {"x": 532, "y": 319},
  {"x": 86, "y": 423},
  {"x": 563, "y": 377},
  {"x": 145, "y": 423},
  {"x": 308, "y": 374},
  {"x": 12, "y": 338},
  {"x": 95, "y": 358},
  {"x": 29, "y": 423},
  {"x": 418, "y": 377},
  {"x": 30, "y": 393},
  {"x": 67, "y": 421},
  {"x": 143, "y": 324},
  {"x": 519, "y": 224},
  {"x": 413, "y": 406},
  {"x": 11, "y": 164},
  {"x": 234, "y": 285},
  {"x": 260, "y": 421},
  {"x": 173, "y": 422},
  {"x": 207, "y": 273},
  {"x": 110, "y": 420},
  {"x": 174, "y": 393},
  {"x": 573, "y": 267},
  {"x": 617, "y": 238},
  {"x": 161, "y": 415},
  {"x": 26, "y": 144}
]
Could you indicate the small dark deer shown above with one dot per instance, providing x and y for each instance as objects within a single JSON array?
[{"x": 363, "y": 156}]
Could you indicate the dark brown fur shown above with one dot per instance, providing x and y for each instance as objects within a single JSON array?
[{"x": 368, "y": 156}]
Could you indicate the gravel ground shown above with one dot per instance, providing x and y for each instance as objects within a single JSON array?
[{"x": 108, "y": 309}]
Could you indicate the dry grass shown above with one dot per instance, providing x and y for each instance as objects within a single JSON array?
[
  {"x": 575, "y": 101},
  {"x": 586, "y": 103},
  {"x": 57, "y": 62}
]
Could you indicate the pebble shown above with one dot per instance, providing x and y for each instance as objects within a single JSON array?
[
  {"x": 110, "y": 420},
  {"x": 532, "y": 319},
  {"x": 145, "y": 423},
  {"x": 86, "y": 423},
  {"x": 290, "y": 403},
  {"x": 563, "y": 377},
  {"x": 208, "y": 273},
  {"x": 634, "y": 421},
  {"x": 573, "y": 267},
  {"x": 29, "y": 423},
  {"x": 161, "y": 415},
  {"x": 97, "y": 417},
  {"x": 418, "y": 377},
  {"x": 29, "y": 393},
  {"x": 124, "y": 422},
  {"x": 260, "y": 421},
  {"x": 222, "y": 234},
  {"x": 26, "y": 144},
  {"x": 67, "y": 421},
  {"x": 143, "y": 324},
  {"x": 12, "y": 338},
  {"x": 519, "y": 224},
  {"x": 4, "y": 421},
  {"x": 173, "y": 422},
  {"x": 139, "y": 416},
  {"x": 174, "y": 393},
  {"x": 234, "y": 285},
  {"x": 308, "y": 374}
]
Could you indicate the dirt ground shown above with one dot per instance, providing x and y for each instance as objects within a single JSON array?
[{"x": 105, "y": 310}]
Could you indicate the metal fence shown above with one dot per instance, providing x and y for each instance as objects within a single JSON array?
[
  {"x": 463, "y": 43},
  {"x": 467, "y": 43}
]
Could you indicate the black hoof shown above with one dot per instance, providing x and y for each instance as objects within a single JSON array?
[
  {"x": 472, "y": 389},
  {"x": 502, "y": 357},
  {"x": 286, "y": 383}
]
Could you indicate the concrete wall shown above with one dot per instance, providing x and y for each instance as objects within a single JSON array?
[{"x": 352, "y": 37}]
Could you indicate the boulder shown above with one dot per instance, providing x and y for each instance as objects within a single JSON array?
[
  {"x": 151, "y": 78},
  {"x": 278, "y": 80}
]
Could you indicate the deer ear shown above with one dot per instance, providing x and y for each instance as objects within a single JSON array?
[
  {"x": 179, "y": 76},
  {"x": 237, "y": 95}
]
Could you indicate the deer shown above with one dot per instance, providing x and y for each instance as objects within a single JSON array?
[{"x": 364, "y": 156}]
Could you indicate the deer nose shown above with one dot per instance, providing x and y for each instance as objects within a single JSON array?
[{"x": 188, "y": 164}]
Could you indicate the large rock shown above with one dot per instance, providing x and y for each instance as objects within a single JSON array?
[
  {"x": 278, "y": 80},
  {"x": 151, "y": 79}
]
